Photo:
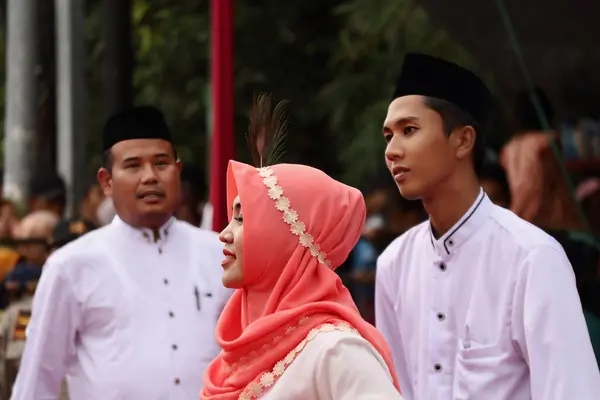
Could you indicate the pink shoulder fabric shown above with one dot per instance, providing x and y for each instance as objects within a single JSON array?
[{"x": 299, "y": 225}]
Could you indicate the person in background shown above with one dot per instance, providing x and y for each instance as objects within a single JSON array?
[
  {"x": 48, "y": 192},
  {"x": 193, "y": 198},
  {"x": 476, "y": 303},
  {"x": 88, "y": 209},
  {"x": 31, "y": 240},
  {"x": 67, "y": 231},
  {"x": 128, "y": 311}
]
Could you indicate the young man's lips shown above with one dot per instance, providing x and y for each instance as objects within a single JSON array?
[{"x": 400, "y": 173}]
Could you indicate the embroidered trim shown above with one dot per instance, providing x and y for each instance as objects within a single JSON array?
[
  {"x": 267, "y": 379},
  {"x": 290, "y": 216},
  {"x": 234, "y": 368}
]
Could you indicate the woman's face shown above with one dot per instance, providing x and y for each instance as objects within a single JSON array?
[{"x": 233, "y": 238}]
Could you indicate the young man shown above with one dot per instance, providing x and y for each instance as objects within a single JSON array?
[
  {"x": 128, "y": 311},
  {"x": 475, "y": 303}
]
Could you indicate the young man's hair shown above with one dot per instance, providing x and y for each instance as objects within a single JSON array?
[
  {"x": 454, "y": 117},
  {"x": 107, "y": 158}
]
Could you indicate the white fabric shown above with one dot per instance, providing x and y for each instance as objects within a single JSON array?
[
  {"x": 118, "y": 314},
  {"x": 335, "y": 366},
  {"x": 207, "y": 217},
  {"x": 106, "y": 211},
  {"x": 502, "y": 319}
]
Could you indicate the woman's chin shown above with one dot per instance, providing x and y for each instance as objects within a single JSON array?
[{"x": 232, "y": 282}]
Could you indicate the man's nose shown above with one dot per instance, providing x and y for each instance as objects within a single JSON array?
[
  {"x": 394, "y": 150},
  {"x": 149, "y": 177}
]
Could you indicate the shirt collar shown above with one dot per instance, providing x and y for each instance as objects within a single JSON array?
[
  {"x": 464, "y": 228},
  {"x": 145, "y": 234}
]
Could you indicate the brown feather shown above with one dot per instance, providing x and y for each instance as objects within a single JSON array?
[{"x": 267, "y": 130}]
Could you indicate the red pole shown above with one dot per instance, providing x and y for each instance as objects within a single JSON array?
[{"x": 223, "y": 139}]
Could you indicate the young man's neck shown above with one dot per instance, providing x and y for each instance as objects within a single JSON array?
[{"x": 450, "y": 202}]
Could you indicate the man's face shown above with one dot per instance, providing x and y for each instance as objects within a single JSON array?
[
  {"x": 418, "y": 154},
  {"x": 145, "y": 181}
]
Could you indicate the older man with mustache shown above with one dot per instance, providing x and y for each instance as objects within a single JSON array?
[{"x": 128, "y": 311}]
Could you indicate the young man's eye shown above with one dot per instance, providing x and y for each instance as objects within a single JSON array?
[{"x": 410, "y": 129}]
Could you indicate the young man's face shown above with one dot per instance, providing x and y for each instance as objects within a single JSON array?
[{"x": 418, "y": 154}]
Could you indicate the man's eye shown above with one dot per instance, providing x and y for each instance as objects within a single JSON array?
[{"x": 409, "y": 129}]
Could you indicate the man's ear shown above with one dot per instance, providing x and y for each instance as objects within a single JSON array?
[
  {"x": 179, "y": 165},
  {"x": 463, "y": 139},
  {"x": 105, "y": 181}
]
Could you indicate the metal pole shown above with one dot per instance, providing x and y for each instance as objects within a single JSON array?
[
  {"x": 21, "y": 104},
  {"x": 71, "y": 98}
]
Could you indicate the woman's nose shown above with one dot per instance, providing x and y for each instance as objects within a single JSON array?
[{"x": 225, "y": 236}]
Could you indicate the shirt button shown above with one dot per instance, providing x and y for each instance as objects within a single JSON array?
[
  {"x": 159, "y": 250},
  {"x": 450, "y": 243},
  {"x": 443, "y": 267},
  {"x": 166, "y": 281},
  {"x": 177, "y": 381},
  {"x": 174, "y": 347},
  {"x": 437, "y": 368},
  {"x": 441, "y": 316},
  {"x": 171, "y": 314}
]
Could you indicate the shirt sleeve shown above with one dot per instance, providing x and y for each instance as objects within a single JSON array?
[
  {"x": 350, "y": 369},
  {"x": 50, "y": 336},
  {"x": 386, "y": 321},
  {"x": 550, "y": 329}
]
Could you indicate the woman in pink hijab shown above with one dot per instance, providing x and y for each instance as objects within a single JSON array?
[{"x": 291, "y": 329}]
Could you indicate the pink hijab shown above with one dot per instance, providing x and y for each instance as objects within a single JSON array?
[{"x": 299, "y": 225}]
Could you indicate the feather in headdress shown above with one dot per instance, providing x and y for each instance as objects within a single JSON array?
[{"x": 267, "y": 130}]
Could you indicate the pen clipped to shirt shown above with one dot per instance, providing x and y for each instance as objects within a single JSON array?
[{"x": 197, "y": 296}]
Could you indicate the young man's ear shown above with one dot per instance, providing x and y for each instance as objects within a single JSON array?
[
  {"x": 464, "y": 141},
  {"x": 179, "y": 165},
  {"x": 105, "y": 181}
]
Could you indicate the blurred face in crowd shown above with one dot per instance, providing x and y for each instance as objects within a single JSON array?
[
  {"x": 91, "y": 202},
  {"x": 233, "y": 238},
  {"x": 419, "y": 154},
  {"x": 33, "y": 234},
  {"x": 144, "y": 181}
]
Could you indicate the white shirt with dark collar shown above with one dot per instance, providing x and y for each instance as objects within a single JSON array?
[
  {"x": 489, "y": 311},
  {"x": 125, "y": 315}
]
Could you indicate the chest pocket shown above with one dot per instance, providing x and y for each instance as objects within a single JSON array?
[{"x": 482, "y": 366}]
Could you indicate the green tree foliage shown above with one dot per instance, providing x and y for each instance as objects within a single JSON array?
[
  {"x": 375, "y": 36},
  {"x": 336, "y": 61}
]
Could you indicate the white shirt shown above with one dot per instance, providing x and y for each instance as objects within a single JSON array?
[
  {"x": 490, "y": 311},
  {"x": 125, "y": 317},
  {"x": 336, "y": 366}
]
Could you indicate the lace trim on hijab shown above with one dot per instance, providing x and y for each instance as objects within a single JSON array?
[
  {"x": 290, "y": 216},
  {"x": 267, "y": 379}
]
